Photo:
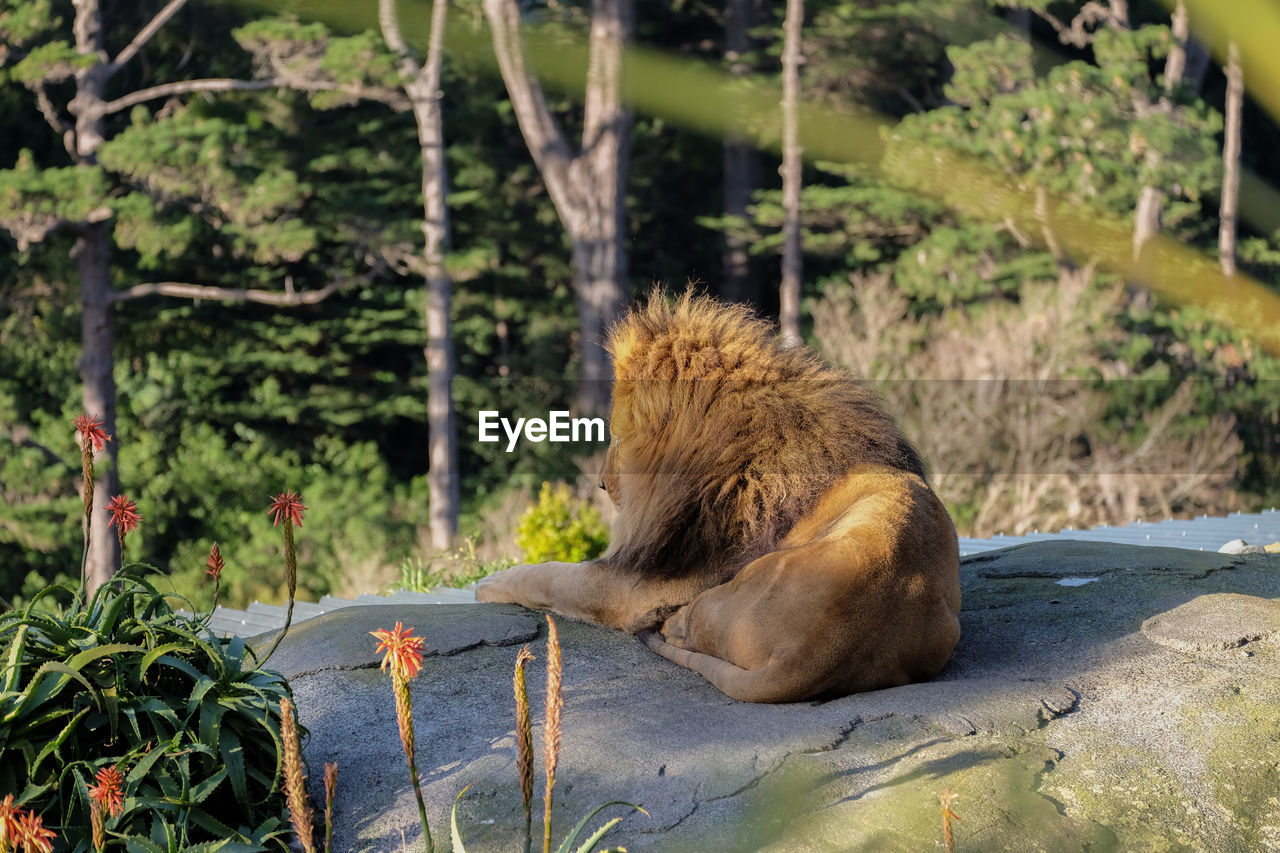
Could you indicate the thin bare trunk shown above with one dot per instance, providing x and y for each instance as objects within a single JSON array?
[
  {"x": 588, "y": 188},
  {"x": 1231, "y": 162},
  {"x": 792, "y": 259},
  {"x": 97, "y": 321},
  {"x": 741, "y": 163},
  {"x": 423, "y": 88},
  {"x": 1146, "y": 222}
]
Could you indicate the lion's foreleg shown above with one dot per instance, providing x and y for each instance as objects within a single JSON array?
[{"x": 592, "y": 592}]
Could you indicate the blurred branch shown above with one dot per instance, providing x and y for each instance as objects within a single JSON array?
[
  {"x": 389, "y": 23},
  {"x": 1091, "y": 14},
  {"x": 185, "y": 87},
  {"x": 229, "y": 294},
  {"x": 144, "y": 35},
  {"x": 60, "y": 126}
]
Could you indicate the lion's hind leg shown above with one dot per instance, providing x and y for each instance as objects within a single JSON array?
[{"x": 745, "y": 685}]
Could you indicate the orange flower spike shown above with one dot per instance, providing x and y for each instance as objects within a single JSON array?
[
  {"x": 8, "y": 823},
  {"x": 109, "y": 791},
  {"x": 91, "y": 430},
  {"x": 32, "y": 836},
  {"x": 287, "y": 505},
  {"x": 215, "y": 562},
  {"x": 124, "y": 514},
  {"x": 403, "y": 652}
]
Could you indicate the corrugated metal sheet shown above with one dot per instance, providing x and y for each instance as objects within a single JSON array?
[
  {"x": 1198, "y": 534},
  {"x": 1201, "y": 534}
]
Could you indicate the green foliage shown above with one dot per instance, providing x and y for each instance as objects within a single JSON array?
[
  {"x": 1088, "y": 134},
  {"x": 49, "y": 63},
  {"x": 20, "y": 22},
  {"x": 457, "y": 568},
  {"x": 311, "y": 52},
  {"x": 124, "y": 681},
  {"x": 34, "y": 201},
  {"x": 195, "y": 490},
  {"x": 559, "y": 528},
  {"x": 208, "y": 163}
]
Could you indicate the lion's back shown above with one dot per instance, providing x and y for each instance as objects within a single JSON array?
[{"x": 729, "y": 437}]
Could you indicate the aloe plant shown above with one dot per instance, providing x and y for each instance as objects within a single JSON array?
[{"x": 124, "y": 680}]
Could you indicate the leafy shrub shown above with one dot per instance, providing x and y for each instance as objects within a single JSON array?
[
  {"x": 558, "y": 527},
  {"x": 124, "y": 681}
]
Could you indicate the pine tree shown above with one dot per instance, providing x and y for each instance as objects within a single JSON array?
[{"x": 111, "y": 196}]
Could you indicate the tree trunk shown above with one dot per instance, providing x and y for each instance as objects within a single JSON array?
[
  {"x": 1146, "y": 217},
  {"x": 423, "y": 88},
  {"x": 442, "y": 431},
  {"x": 792, "y": 259},
  {"x": 599, "y": 253},
  {"x": 97, "y": 360},
  {"x": 97, "y": 320},
  {"x": 1231, "y": 162},
  {"x": 741, "y": 164},
  {"x": 588, "y": 188}
]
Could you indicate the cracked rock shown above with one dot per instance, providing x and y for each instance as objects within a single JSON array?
[
  {"x": 1080, "y": 724},
  {"x": 1215, "y": 623}
]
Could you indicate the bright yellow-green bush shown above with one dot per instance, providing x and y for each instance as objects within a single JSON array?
[{"x": 560, "y": 527}]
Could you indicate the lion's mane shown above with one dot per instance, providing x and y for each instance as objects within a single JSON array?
[{"x": 724, "y": 438}]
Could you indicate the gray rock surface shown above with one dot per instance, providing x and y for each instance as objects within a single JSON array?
[{"x": 1140, "y": 710}]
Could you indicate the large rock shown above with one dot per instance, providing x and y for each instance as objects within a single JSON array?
[{"x": 1102, "y": 697}]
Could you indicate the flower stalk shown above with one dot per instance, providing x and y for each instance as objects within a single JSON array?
[
  {"x": 551, "y": 730},
  {"x": 948, "y": 838},
  {"x": 330, "y": 793},
  {"x": 287, "y": 507},
  {"x": 402, "y": 655},
  {"x": 524, "y": 743},
  {"x": 295, "y": 779},
  {"x": 92, "y": 438},
  {"x": 97, "y": 826}
]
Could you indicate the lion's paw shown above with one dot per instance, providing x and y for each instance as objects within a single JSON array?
[{"x": 497, "y": 588}]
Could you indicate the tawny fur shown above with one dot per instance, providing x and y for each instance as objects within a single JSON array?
[
  {"x": 775, "y": 530},
  {"x": 724, "y": 438}
]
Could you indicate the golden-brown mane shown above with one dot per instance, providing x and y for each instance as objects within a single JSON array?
[{"x": 724, "y": 438}]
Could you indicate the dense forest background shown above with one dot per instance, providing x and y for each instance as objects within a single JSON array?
[{"x": 1046, "y": 387}]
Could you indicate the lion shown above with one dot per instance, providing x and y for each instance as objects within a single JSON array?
[{"x": 775, "y": 530}]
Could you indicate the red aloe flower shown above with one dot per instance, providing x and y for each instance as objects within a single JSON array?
[
  {"x": 91, "y": 430},
  {"x": 124, "y": 516},
  {"x": 32, "y": 836},
  {"x": 215, "y": 562},
  {"x": 287, "y": 505},
  {"x": 109, "y": 792},
  {"x": 403, "y": 652}
]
